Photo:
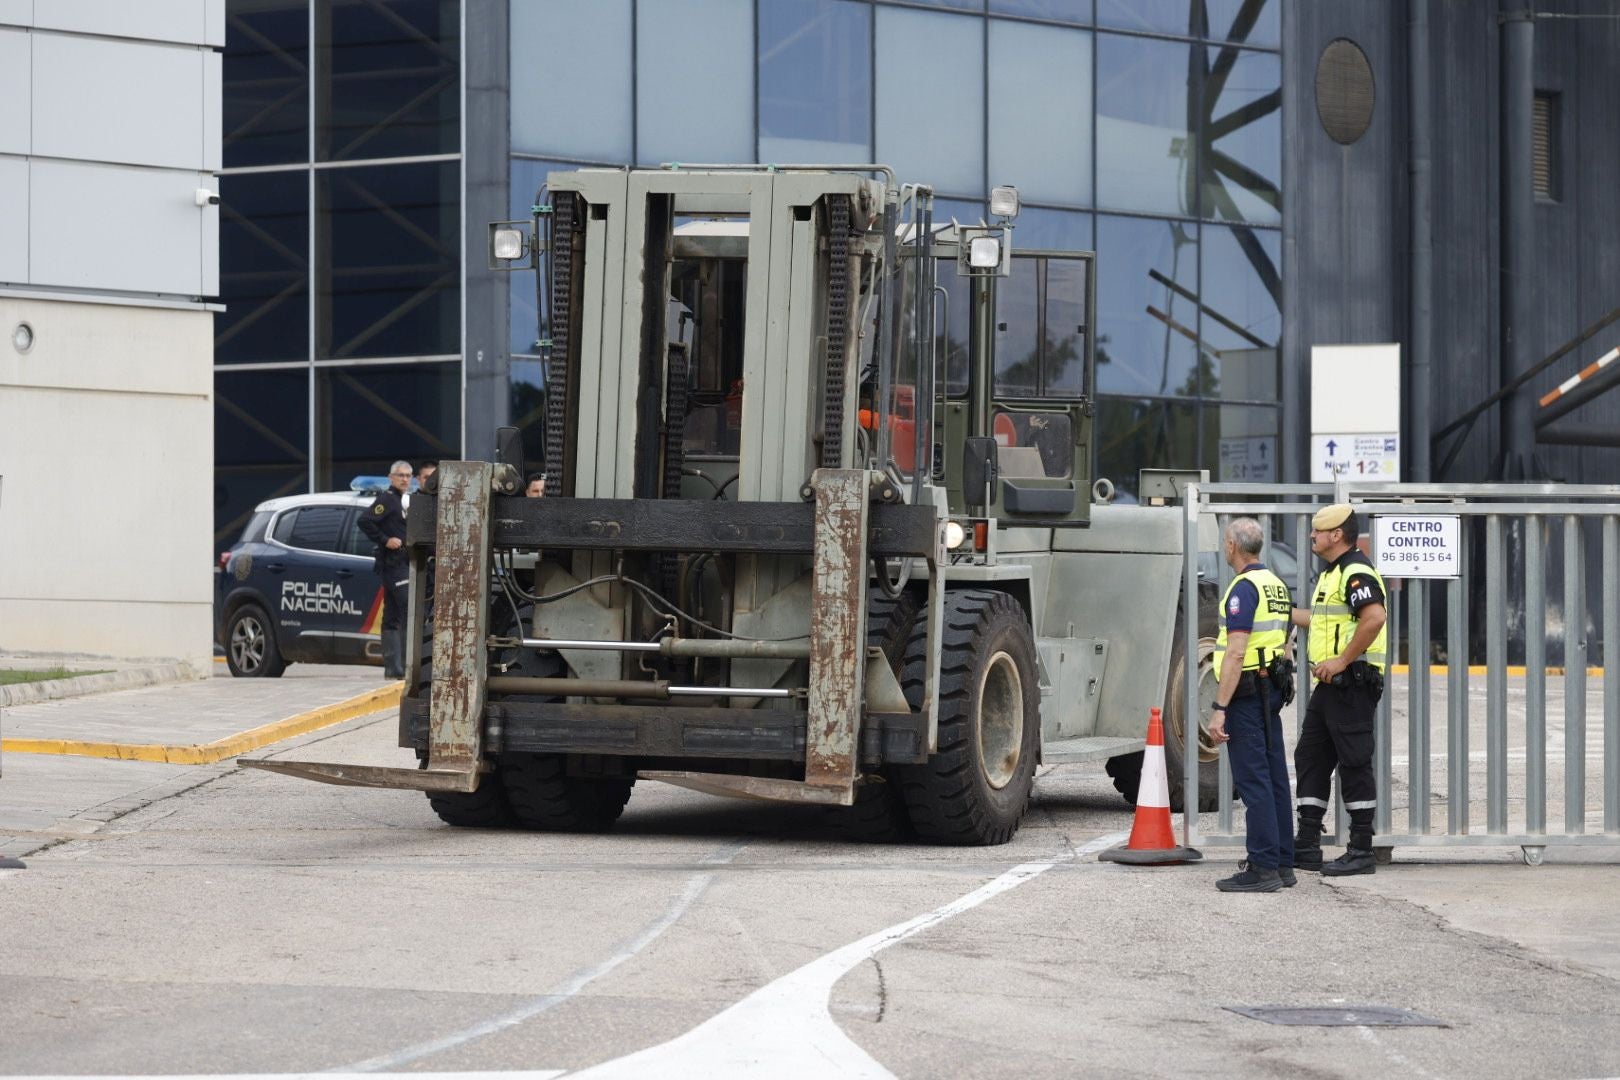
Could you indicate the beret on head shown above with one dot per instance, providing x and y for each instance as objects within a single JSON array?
[{"x": 1331, "y": 517}]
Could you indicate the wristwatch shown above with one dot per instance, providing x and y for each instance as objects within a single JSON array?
[{"x": 1218, "y": 707}]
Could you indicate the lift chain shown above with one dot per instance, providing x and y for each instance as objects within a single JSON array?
[
  {"x": 838, "y": 300},
  {"x": 564, "y": 207}
]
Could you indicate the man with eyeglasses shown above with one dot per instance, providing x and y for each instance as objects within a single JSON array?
[
  {"x": 1346, "y": 648},
  {"x": 384, "y": 523}
]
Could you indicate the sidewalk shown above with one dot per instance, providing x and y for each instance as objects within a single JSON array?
[{"x": 70, "y": 766}]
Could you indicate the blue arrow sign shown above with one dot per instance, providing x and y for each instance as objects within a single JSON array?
[{"x": 1332, "y": 446}]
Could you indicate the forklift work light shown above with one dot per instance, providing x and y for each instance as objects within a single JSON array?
[
  {"x": 508, "y": 244},
  {"x": 1004, "y": 202},
  {"x": 984, "y": 252},
  {"x": 955, "y": 534}
]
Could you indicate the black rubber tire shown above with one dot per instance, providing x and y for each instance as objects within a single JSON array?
[
  {"x": 1126, "y": 769},
  {"x": 879, "y": 815},
  {"x": 544, "y": 797},
  {"x": 1126, "y": 773},
  {"x": 251, "y": 651},
  {"x": 952, "y": 799},
  {"x": 539, "y": 791},
  {"x": 485, "y": 808}
]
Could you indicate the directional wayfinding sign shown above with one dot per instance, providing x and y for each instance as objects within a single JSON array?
[
  {"x": 1361, "y": 457},
  {"x": 1416, "y": 546}
]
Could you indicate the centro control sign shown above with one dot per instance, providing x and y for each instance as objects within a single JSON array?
[{"x": 1410, "y": 546}]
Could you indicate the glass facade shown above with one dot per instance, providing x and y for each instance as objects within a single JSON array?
[
  {"x": 340, "y": 246},
  {"x": 1146, "y": 130},
  {"x": 1149, "y": 131}
]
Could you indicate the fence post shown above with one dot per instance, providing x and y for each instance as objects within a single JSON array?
[
  {"x": 1457, "y": 689},
  {"x": 1417, "y": 705},
  {"x": 1535, "y": 677},
  {"x": 1611, "y": 674},
  {"x": 1495, "y": 678}
]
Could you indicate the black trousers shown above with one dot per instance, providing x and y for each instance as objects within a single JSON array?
[
  {"x": 396, "y": 583},
  {"x": 1337, "y": 734}
]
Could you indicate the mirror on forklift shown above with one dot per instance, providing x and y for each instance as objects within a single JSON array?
[{"x": 980, "y": 470}]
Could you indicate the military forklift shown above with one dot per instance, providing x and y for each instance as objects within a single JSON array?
[{"x": 819, "y": 527}]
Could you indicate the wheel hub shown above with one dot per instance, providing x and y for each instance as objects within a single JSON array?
[{"x": 1001, "y": 720}]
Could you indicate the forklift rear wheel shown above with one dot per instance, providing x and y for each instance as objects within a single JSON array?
[
  {"x": 544, "y": 797},
  {"x": 1175, "y": 726},
  {"x": 538, "y": 788},
  {"x": 1126, "y": 769},
  {"x": 976, "y": 787}
]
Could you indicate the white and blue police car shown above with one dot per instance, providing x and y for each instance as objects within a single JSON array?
[{"x": 298, "y": 586}]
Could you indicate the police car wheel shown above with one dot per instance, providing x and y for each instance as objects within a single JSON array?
[
  {"x": 250, "y": 645},
  {"x": 976, "y": 787}
]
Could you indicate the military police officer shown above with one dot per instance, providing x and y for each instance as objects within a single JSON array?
[
  {"x": 1346, "y": 650},
  {"x": 384, "y": 523},
  {"x": 1250, "y": 655}
]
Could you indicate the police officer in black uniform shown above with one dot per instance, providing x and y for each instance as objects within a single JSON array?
[
  {"x": 1346, "y": 649},
  {"x": 384, "y": 523}
]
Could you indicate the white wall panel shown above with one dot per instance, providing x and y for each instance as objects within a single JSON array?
[
  {"x": 112, "y": 227},
  {"x": 209, "y": 240},
  {"x": 17, "y": 12},
  {"x": 213, "y": 95},
  {"x": 14, "y": 91},
  {"x": 143, "y": 107},
  {"x": 154, "y": 20},
  {"x": 14, "y": 231},
  {"x": 214, "y": 23},
  {"x": 107, "y": 347},
  {"x": 60, "y": 588}
]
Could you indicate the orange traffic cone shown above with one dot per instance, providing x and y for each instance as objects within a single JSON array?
[{"x": 1153, "y": 841}]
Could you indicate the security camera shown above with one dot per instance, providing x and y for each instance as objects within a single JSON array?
[{"x": 207, "y": 198}]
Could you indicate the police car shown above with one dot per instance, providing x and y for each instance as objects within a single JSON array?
[{"x": 299, "y": 587}]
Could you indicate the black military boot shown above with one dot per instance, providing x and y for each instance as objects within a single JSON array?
[
  {"x": 1308, "y": 846},
  {"x": 393, "y": 668},
  {"x": 1355, "y": 860},
  {"x": 1251, "y": 879}
]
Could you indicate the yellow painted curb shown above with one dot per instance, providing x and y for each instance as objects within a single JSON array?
[
  {"x": 371, "y": 701},
  {"x": 1480, "y": 669}
]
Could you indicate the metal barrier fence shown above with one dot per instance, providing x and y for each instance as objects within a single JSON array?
[{"x": 1506, "y": 531}]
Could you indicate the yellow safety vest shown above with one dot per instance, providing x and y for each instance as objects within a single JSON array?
[
  {"x": 1269, "y": 635},
  {"x": 1332, "y": 624}
]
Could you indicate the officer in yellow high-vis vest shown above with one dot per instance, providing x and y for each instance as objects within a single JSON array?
[
  {"x": 1247, "y": 715},
  {"x": 1345, "y": 646}
]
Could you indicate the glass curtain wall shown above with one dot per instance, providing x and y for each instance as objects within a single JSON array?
[
  {"x": 340, "y": 240},
  {"x": 1149, "y": 131}
]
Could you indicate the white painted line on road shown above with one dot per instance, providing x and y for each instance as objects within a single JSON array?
[
  {"x": 577, "y": 982},
  {"x": 784, "y": 1029}
]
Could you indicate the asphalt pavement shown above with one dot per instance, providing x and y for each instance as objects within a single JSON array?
[
  {"x": 278, "y": 889},
  {"x": 69, "y": 765}
]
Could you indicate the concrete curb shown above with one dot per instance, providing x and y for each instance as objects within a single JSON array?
[
  {"x": 371, "y": 701},
  {"x": 126, "y": 679}
]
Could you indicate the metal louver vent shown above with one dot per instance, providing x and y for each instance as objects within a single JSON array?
[
  {"x": 1543, "y": 140},
  {"x": 1344, "y": 91}
]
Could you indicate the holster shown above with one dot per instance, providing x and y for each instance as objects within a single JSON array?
[{"x": 1281, "y": 672}]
